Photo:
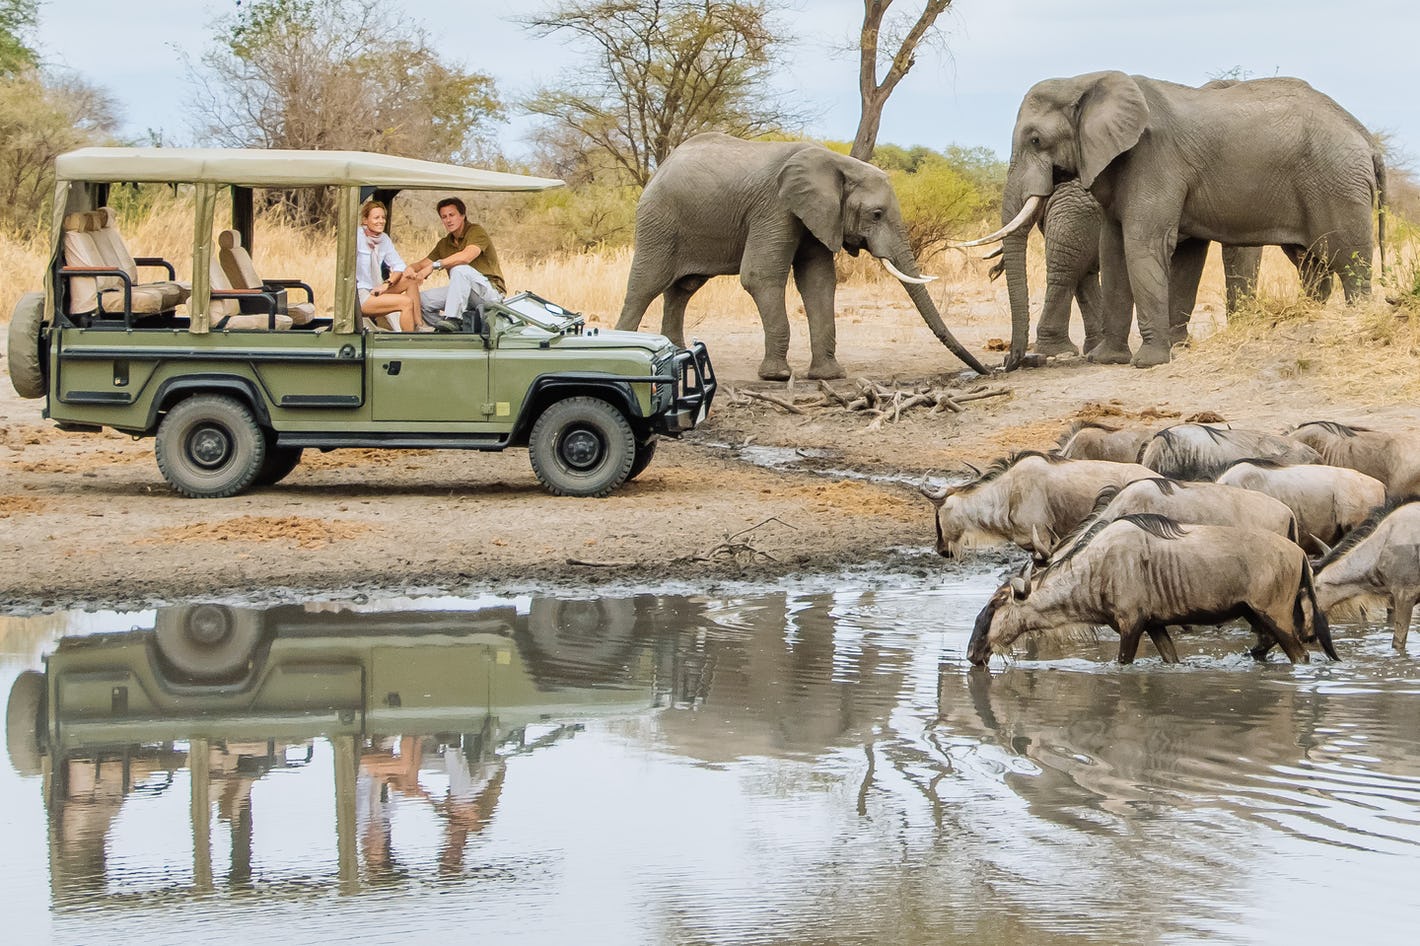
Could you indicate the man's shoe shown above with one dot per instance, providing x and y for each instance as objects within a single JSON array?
[{"x": 448, "y": 325}]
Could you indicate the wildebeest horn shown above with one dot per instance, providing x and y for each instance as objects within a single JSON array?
[
  {"x": 937, "y": 496},
  {"x": 1023, "y": 218},
  {"x": 1325, "y": 549}
]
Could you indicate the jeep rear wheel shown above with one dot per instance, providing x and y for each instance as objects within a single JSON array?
[
  {"x": 582, "y": 446},
  {"x": 26, "y": 360},
  {"x": 210, "y": 446},
  {"x": 208, "y": 642}
]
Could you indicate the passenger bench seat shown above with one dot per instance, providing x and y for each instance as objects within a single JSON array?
[
  {"x": 111, "y": 245},
  {"x": 237, "y": 264}
]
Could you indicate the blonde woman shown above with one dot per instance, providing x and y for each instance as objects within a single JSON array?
[{"x": 396, "y": 299}]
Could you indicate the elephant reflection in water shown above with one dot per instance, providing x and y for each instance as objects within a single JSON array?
[{"x": 475, "y": 786}]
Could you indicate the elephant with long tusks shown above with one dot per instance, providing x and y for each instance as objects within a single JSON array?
[
  {"x": 1392, "y": 458},
  {"x": 1201, "y": 451},
  {"x": 719, "y": 205},
  {"x": 1141, "y": 573},
  {"x": 1379, "y": 558},
  {"x": 1029, "y": 498},
  {"x": 1269, "y": 162},
  {"x": 1328, "y": 501}
]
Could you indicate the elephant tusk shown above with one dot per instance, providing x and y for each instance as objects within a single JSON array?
[
  {"x": 887, "y": 265},
  {"x": 1022, "y": 219}
]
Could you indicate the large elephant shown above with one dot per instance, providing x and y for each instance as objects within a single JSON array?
[
  {"x": 1259, "y": 163},
  {"x": 720, "y": 205},
  {"x": 1070, "y": 225}
]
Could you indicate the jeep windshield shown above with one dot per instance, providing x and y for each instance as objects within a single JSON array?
[{"x": 537, "y": 311}]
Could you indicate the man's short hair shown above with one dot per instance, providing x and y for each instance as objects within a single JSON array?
[{"x": 453, "y": 202}]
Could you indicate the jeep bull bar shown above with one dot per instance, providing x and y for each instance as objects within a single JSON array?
[{"x": 694, "y": 390}]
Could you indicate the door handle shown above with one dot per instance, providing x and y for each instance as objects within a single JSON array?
[{"x": 392, "y": 367}]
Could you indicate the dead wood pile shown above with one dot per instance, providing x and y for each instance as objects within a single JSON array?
[{"x": 884, "y": 403}]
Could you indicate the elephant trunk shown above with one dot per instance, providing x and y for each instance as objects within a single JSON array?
[
  {"x": 1013, "y": 261},
  {"x": 904, "y": 262}
]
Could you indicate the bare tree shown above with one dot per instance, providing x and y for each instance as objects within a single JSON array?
[
  {"x": 657, "y": 72},
  {"x": 906, "y": 35}
]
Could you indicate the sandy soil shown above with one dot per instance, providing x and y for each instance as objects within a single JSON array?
[{"x": 86, "y": 519}]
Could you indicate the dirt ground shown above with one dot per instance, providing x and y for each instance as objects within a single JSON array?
[{"x": 87, "y": 521}]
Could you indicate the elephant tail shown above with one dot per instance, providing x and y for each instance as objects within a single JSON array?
[{"x": 1378, "y": 161}]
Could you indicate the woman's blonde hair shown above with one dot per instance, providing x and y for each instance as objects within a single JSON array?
[{"x": 369, "y": 206}]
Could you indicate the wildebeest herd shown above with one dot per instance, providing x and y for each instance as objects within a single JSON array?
[{"x": 1143, "y": 531}]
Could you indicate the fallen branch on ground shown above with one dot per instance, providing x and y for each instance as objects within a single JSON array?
[{"x": 883, "y": 403}]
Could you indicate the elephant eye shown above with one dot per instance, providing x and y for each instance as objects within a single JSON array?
[
  {"x": 1035, "y": 140},
  {"x": 878, "y": 213}
]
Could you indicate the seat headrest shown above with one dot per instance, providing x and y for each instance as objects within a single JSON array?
[
  {"x": 107, "y": 218},
  {"x": 97, "y": 221},
  {"x": 229, "y": 239},
  {"x": 78, "y": 223}
]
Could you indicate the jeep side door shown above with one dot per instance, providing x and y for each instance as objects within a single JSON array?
[{"x": 433, "y": 378}]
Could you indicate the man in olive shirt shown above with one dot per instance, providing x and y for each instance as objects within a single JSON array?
[{"x": 467, "y": 253}]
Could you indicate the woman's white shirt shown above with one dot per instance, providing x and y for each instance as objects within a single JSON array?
[{"x": 383, "y": 252}]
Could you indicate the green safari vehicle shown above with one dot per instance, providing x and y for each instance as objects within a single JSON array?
[{"x": 234, "y": 381}]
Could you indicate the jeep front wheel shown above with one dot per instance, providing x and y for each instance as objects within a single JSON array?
[
  {"x": 210, "y": 446},
  {"x": 645, "y": 453},
  {"x": 582, "y": 446}
]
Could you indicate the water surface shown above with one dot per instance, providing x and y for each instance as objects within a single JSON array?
[{"x": 774, "y": 767}]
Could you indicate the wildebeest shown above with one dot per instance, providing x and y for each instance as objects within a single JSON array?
[
  {"x": 1200, "y": 452},
  {"x": 1029, "y": 498},
  {"x": 1140, "y": 573},
  {"x": 1328, "y": 501},
  {"x": 1392, "y": 458},
  {"x": 1211, "y": 504},
  {"x": 1089, "y": 440},
  {"x": 1379, "y": 558}
]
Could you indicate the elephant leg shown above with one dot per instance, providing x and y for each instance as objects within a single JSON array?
[
  {"x": 816, "y": 281},
  {"x": 1404, "y": 610},
  {"x": 652, "y": 273},
  {"x": 1149, "y": 251},
  {"x": 1163, "y": 642},
  {"x": 1312, "y": 272},
  {"x": 1184, "y": 277},
  {"x": 764, "y": 273},
  {"x": 1052, "y": 332},
  {"x": 1113, "y": 349},
  {"x": 676, "y": 299},
  {"x": 1241, "y": 265},
  {"x": 1087, "y": 295}
]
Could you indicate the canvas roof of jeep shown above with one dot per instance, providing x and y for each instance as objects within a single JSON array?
[{"x": 251, "y": 167}]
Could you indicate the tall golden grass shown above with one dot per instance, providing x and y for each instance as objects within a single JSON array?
[{"x": 1366, "y": 352}]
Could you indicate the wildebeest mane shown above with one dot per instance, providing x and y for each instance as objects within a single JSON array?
[
  {"x": 1260, "y": 463},
  {"x": 1160, "y": 527},
  {"x": 1080, "y": 537},
  {"x": 1332, "y": 427},
  {"x": 1000, "y": 465},
  {"x": 1363, "y": 531}
]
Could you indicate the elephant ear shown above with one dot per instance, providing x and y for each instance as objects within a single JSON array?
[
  {"x": 811, "y": 184},
  {"x": 1111, "y": 115}
]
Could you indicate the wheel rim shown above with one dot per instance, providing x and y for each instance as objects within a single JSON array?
[
  {"x": 581, "y": 449},
  {"x": 209, "y": 446},
  {"x": 208, "y": 625}
]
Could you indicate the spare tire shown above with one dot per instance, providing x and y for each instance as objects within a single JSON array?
[
  {"x": 208, "y": 643},
  {"x": 24, "y": 717},
  {"x": 26, "y": 366}
]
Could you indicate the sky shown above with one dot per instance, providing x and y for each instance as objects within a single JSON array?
[{"x": 1362, "y": 53}]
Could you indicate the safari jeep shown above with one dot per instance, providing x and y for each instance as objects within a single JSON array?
[{"x": 234, "y": 375}]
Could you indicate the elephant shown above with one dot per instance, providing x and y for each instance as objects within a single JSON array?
[
  {"x": 1070, "y": 224},
  {"x": 1257, "y": 163},
  {"x": 720, "y": 205}
]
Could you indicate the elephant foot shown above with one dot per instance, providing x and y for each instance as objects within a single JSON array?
[
  {"x": 1149, "y": 355},
  {"x": 1107, "y": 354},
  {"x": 1178, "y": 335},
  {"x": 827, "y": 369},
  {"x": 774, "y": 369},
  {"x": 1055, "y": 346}
]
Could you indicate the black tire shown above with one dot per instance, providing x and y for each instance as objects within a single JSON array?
[
  {"x": 279, "y": 463},
  {"x": 24, "y": 723},
  {"x": 582, "y": 638},
  {"x": 645, "y": 453},
  {"x": 208, "y": 643},
  {"x": 210, "y": 446},
  {"x": 582, "y": 446},
  {"x": 26, "y": 360}
]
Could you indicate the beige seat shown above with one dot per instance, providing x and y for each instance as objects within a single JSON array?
[
  {"x": 116, "y": 252},
  {"x": 86, "y": 294},
  {"x": 230, "y": 308},
  {"x": 237, "y": 264}
]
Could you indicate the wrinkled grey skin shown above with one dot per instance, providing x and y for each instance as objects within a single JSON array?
[
  {"x": 1071, "y": 225},
  {"x": 720, "y": 205},
  {"x": 1259, "y": 163}
]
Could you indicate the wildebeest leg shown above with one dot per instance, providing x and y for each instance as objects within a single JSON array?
[
  {"x": 1265, "y": 638},
  {"x": 1404, "y": 609},
  {"x": 1288, "y": 638},
  {"x": 1129, "y": 635},
  {"x": 1163, "y": 642}
]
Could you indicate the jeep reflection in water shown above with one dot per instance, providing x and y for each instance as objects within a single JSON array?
[{"x": 234, "y": 380}]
